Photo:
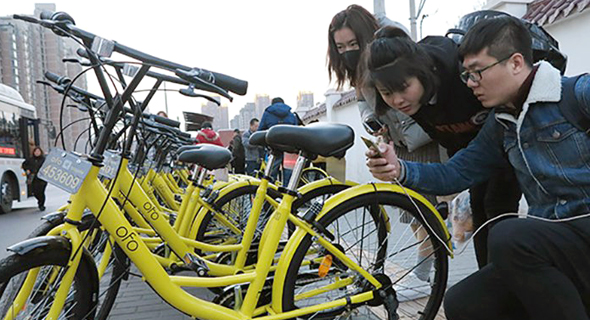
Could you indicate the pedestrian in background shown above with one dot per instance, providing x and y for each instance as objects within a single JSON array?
[
  {"x": 278, "y": 113},
  {"x": 162, "y": 114},
  {"x": 208, "y": 135},
  {"x": 238, "y": 161},
  {"x": 31, "y": 167},
  {"x": 252, "y": 154}
]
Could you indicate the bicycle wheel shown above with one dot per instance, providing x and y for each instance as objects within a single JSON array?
[
  {"x": 359, "y": 225},
  {"x": 235, "y": 206},
  {"x": 51, "y": 264},
  {"x": 115, "y": 270}
]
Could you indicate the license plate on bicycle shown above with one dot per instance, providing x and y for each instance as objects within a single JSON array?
[
  {"x": 64, "y": 170},
  {"x": 110, "y": 165}
]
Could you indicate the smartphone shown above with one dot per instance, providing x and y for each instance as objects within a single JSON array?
[
  {"x": 370, "y": 144},
  {"x": 372, "y": 125}
]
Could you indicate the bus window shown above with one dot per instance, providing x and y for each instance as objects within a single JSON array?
[{"x": 10, "y": 135}]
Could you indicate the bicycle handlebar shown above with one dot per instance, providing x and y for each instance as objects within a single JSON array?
[
  {"x": 64, "y": 20},
  {"x": 166, "y": 121}
]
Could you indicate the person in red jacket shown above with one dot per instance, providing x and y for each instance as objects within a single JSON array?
[{"x": 208, "y": 135}]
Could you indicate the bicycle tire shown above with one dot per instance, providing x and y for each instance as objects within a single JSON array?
[
  {"x": 13, "y": 270},
  {"x": 116, "y": 269},
  {"x": 408, "y": 308}
]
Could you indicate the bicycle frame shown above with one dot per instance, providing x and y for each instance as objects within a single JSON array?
[{"x": 92, "y": 194}]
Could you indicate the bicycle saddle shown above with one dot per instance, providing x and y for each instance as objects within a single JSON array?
[
  {"x": 325, "y": 139},
  {"x": 207, "y": 155},
  {"x": 258, "y": 138},
  {"x": 185, "y": 148}
]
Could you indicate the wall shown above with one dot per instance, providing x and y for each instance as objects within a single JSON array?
[
  {"x": 572, "y": 34},
  {"x": 356, "y": 170}
]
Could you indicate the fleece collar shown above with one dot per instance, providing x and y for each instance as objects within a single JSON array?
[{"x": 546, "y": 87}]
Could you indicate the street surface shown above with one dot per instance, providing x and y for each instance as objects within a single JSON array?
[{"x": 25, "y": 217}]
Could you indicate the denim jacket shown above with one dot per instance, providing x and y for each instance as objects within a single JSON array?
[{"x": 550, "y": 156}]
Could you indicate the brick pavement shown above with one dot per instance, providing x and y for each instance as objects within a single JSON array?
[{"x": 136, "y": 300}]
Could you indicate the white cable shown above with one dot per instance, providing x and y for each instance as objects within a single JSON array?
[
  {"x": 524, "y": 216},
  {"x": 450, "y": 251}
]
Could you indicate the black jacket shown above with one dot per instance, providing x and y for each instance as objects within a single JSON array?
[
  {"x": 33, "y": 164},
  {"x": 454, "y": 116}
]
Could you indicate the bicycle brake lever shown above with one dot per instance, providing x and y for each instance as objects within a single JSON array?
[
  {"x": 190, "y": 92},
  {"x": 82, "y": 62}
]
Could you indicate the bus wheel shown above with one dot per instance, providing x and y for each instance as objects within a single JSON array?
[{"x": 6, "y": 194}]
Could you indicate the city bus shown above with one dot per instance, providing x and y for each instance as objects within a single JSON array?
[{"x": 19, "y": 131}]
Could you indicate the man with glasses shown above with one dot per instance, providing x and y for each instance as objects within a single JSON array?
[{"x": 539, "y": 267}]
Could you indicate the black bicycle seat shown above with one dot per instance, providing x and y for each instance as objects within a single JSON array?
[
  {"x": 209, "y": 156},
  {"x": 185, "y": 148},
  {"x": 258, "y": 138},
  {"x": 325, "y": 139}
]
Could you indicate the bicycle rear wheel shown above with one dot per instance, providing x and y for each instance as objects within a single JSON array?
[
  {"x": 51, "y": 265},
  {"x": 235, "y": 206},
  {"x": 359, "y": 225}
]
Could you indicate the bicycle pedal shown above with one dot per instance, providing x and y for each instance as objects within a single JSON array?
[
  {"x": 391, "y": 302},
  {"x": 386, "y": 295},
  {"x": 197, "y": 265}
]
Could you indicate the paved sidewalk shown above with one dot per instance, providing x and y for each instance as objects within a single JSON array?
[{"x": 136, "y": 300}]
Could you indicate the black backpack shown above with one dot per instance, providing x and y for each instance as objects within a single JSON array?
[{"x": 545, "y": 47}]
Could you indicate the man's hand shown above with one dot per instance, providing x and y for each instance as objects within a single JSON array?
[{"x": 385, "y": 167}]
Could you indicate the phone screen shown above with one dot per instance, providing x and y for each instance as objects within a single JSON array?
[
  {"x": 369, "y": 143},
  {"x": 372, "y": 125}
]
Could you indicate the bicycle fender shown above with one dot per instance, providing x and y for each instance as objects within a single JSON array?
[
  {"x": 57, "y": 216},
  {"x": 37, "y": 245},
  {"x": 322, "y": 183},
  {"x": 40, "y": 244},
  {"x": 384, "y": 187}
]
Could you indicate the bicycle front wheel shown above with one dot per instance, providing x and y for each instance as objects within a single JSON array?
[
  {"x": 359, "y": 225},
  {"x": 50, "y": 266}
]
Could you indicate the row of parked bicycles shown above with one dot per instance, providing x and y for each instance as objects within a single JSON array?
[{"x": 144, "y": 204}]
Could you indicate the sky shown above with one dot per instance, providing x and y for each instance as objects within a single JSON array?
[{"x": 278, "y": 46}]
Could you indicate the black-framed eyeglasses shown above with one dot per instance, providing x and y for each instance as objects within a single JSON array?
[{"x": 475, "y": 75}]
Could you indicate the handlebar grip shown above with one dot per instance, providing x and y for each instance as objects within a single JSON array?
[
  {"x": 166, "y": 121},
  {"x": 25, "y": 18},
  {"x": 185, "y": 135},
  {"x": 52, "y": 76},
  {"x": 61, "y": 80},
  {"x": 232, "y": 84}
]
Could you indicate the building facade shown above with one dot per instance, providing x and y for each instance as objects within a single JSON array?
[
  {"x": 304, "y": 102},
  {"x": 27, "y": 51},
  {"x": 220, "y": 114},
  {"x": 262, "y": 101}
]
